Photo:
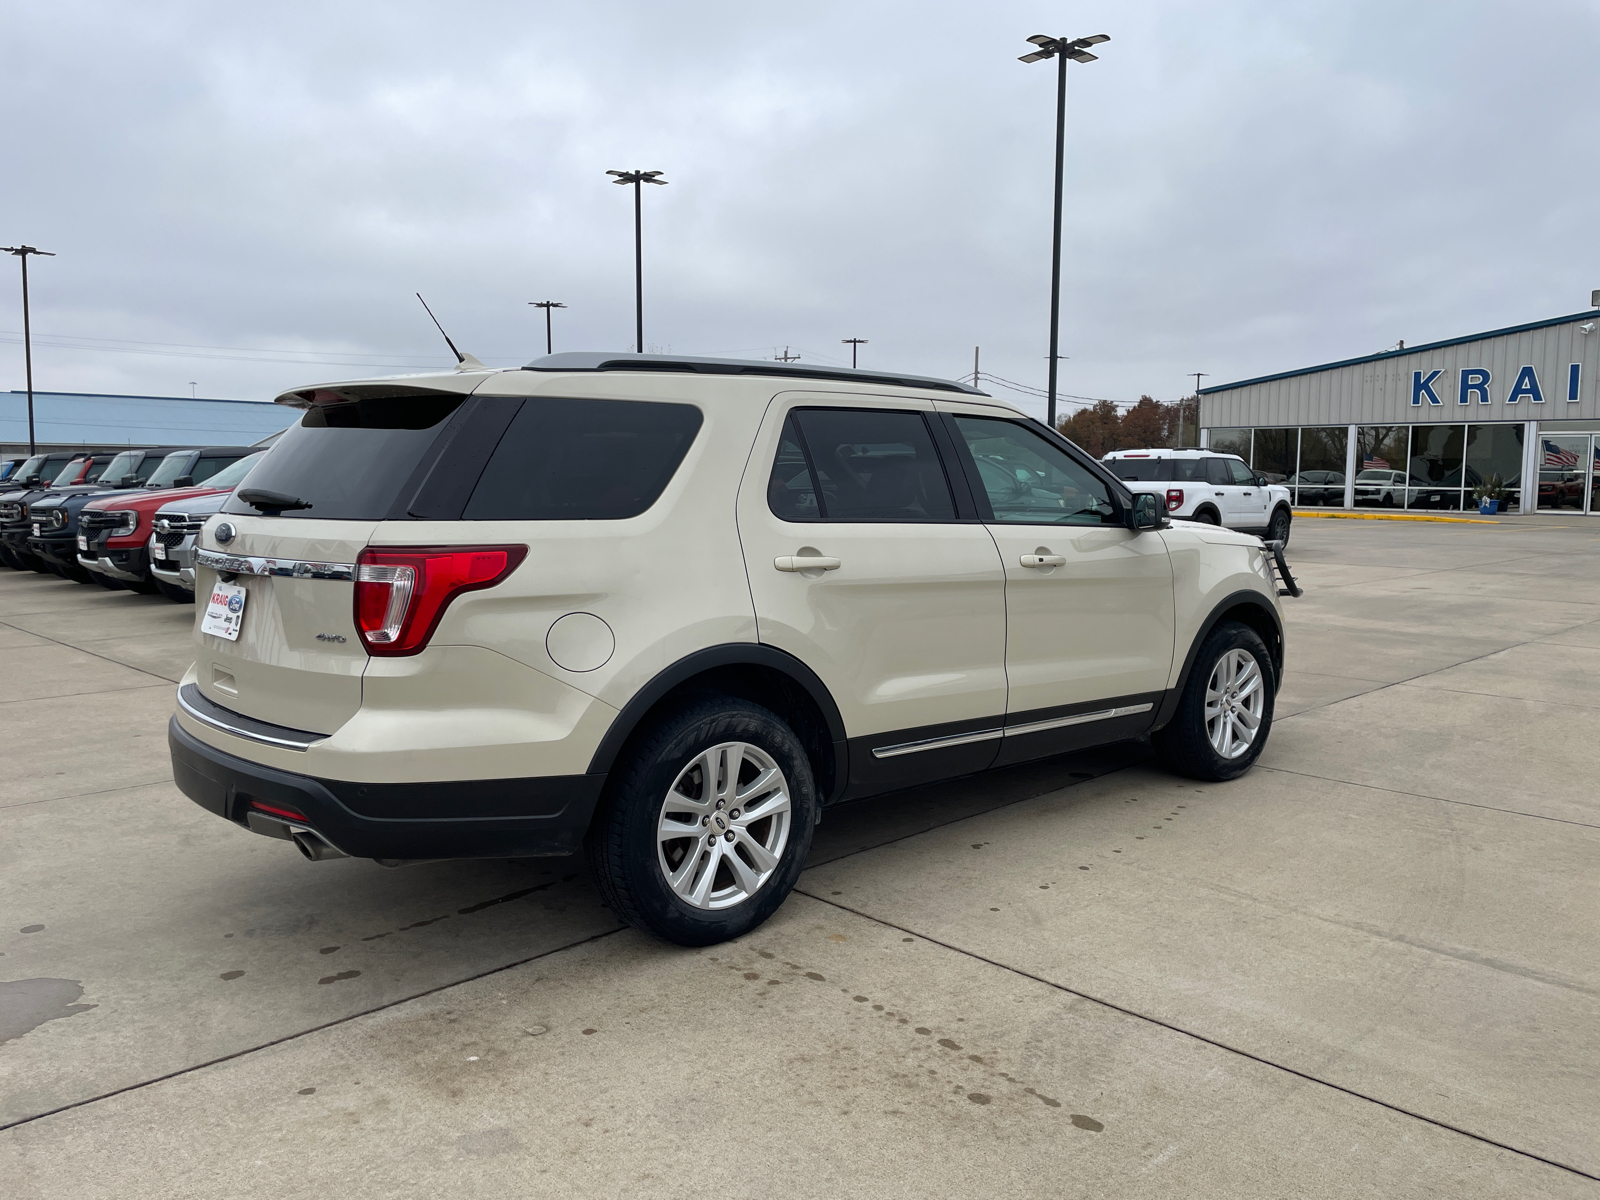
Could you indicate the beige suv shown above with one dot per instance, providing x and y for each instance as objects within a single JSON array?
[{"x": 666, "y": 610}]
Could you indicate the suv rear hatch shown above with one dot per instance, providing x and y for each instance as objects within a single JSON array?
[{"x": 309, "y": 507}]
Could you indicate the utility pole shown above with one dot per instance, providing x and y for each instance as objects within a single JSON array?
[
  {"x": 547, "y": 305},
  {"x": 193, "y": 390},
  {"x": 1198, "y": 376},
  {"x": 1061, "y": 49},
  {"x": 853, "y": 343},
  {"x": 22, "y": 252},
  {"x": 786, "y": 356},
  {"x": 636, "y": 178}
]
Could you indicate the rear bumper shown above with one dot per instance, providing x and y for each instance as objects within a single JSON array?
[{"x": 486, "y": 818}]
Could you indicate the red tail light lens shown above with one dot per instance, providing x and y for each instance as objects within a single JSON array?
[
  {"x": 278, "y": 810},
  {"x": 1174, "y": 498},
  {"x": 401, "y": 593}
]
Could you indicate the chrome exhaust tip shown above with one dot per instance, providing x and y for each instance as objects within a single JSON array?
[{"x": 314, "y": 847}]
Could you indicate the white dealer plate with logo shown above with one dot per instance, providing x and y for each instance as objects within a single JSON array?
[
  {"x": 224, "y": 611},
  {"x": 157, "y": 549},
  {"x": 83, "y": 541}
]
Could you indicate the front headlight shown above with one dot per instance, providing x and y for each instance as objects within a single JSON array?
[{"x": 127, "y": 523}]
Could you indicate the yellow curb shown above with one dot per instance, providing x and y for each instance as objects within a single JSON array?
[{"x": 1362, "y": 516}]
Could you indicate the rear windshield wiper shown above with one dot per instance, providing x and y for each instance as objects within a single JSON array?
[{"x": 271, "y": 501}]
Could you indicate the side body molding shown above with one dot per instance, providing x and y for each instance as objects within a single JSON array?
[
  {"x": 1254, "y": 600},
  {"x": 735, "y": 654}
]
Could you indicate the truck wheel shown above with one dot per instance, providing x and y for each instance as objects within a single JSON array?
[
  {"x": 173, "y": 592},
  {"x": 1207, "y": 516},
  {"x": 105, "y": 581},
  {"x": 1225, "y": 712},
  {"x": 1278, "y": 530},
  {"x": 145, "y": 587},
  {"x": 706, "y": 823}
]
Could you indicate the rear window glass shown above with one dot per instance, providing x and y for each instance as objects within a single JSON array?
[
  {"x": 582, "y": 460},
  {"x": 1139, "y": 470},
  {"x": 349, "y": 461},
  {"x": 209, "y": 465}
]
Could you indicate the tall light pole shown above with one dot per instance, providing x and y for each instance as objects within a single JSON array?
[
  {"x": 854, "y": 344},
  {"x": 1078, "y": 51},
  {"x": 547, "y": 305},
  {"x": 22, "y": 252},
  {"x": 1198, "y": 376},
  {"x": 636, "y": 178}
]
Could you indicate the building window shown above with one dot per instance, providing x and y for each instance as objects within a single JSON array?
[
  {"x": 1319, "y": 483},
  {"x": 1496, "y": 450},
  {"x": 1276, "y": 453},
  {"x": 1380, "y": 466},
  {"x": 1434, "y": 466},
  {"x": 1230, "y": 441}
]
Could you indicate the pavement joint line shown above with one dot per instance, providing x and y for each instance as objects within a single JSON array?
[
  {"x": 1200, "y": 1037},
  {"x": 90, "y": 653},
  {"x": 290, "y": 1037},
  {"x": 1358, "y": 516},
  {"x": 1499, "y": 696},
  {"x": 137, "y": 687},
  {"x": 126, "y": 787},
  {"x": 1375, "y": 787}
]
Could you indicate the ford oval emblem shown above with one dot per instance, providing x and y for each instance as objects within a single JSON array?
[{"x": 225, "y": 532}]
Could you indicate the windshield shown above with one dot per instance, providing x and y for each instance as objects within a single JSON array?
[
  {"x": 233, "y": 475},
  {"x": 123, "y": 464},
  {"x": 29, "y": 467},
  {"x": 172, "y": 466},
  {"x": 69, "y": 473}
]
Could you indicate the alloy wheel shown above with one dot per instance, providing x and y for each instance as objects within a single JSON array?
[
  {"x": 723, "y": 825},
  {"x": 1235, "y": 700}
]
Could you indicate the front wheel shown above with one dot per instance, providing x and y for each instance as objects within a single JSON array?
[
  {"x": 1225, "y": 712},
  {"x": 706, "y": 824},
  {"x": 178, "y": 595},
  {"x": 1278, "y": 529}
]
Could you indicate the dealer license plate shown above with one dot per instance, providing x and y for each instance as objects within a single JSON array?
[
  {"x": 225, "y": 611},
  {"x": 36, "y": 529},
  {"x": 157, "y": 550},
  {"x": 83, "y": 542}
]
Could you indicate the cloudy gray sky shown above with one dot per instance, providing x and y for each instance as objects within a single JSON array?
[{"x": 247, "y": 196}]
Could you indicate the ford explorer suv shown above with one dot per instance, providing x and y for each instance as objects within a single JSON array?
[
  {"x": 177, "y": 524},
  {"x": 664, "y": 611},
  {"x": 1202, "y": 485}
]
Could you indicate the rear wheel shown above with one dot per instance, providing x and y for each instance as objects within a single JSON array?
[
  {"x": 1278, "y": 529},
  {"x": 706, "y": 824},
  {"x": 1206, "y": 516},
  {"x": 178, "y": 595},
  {"x": 1225, "y": 712}
]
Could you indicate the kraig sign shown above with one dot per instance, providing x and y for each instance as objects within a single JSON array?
[{"x": 1475, "y": 382}]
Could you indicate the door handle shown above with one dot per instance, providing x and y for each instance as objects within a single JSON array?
[
  {"x": 805, "y": 562},
  {"x": 1043, "y": 560}
]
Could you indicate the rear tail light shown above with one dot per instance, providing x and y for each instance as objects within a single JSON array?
[
  {"x": 1174, "y": 498},
  {"x": 278, "y": 810},
  {"x": 402, "y": 593}
]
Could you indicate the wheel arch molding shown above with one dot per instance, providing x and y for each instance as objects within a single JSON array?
[
  {"x": 1247, "y": 607},
  {"x": 752, "y": 671}
]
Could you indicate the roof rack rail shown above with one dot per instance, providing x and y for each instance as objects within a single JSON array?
[{"x": 594, "y": 361}]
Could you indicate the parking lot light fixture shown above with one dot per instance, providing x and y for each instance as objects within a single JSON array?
[
  {"x": 547, "y": 305},
  {"x": 636, "y": 178},
  {"x": 22, "y": 253},
  {"x": 1061, "y": 49}
]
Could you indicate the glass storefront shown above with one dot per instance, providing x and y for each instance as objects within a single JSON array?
[{"x": 1416, "y": 466}]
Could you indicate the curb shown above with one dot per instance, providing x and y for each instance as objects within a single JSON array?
[{"x": 1360, "y": 516}]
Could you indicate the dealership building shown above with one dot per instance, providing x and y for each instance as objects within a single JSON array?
[{"x": 1423, "y": 426}]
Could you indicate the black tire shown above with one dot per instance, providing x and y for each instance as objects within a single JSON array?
[
  {"x": 105, "y": 581},
  {"x": 1278, "y": 529},
  {"x": 1184, "y": 745},
  {"x": 178, "y": 595},
  {"x": 626, "y": 855},
  {"x": 1207, "y": 516},
  {"x": 145, "y": 587}
]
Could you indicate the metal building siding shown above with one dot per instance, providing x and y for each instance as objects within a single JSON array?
[{"x": 1377, "y": 391}]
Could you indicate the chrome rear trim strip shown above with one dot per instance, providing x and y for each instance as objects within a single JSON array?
[
  {"x": 939, "y": 743},
  {"x": 245, "y": 564},
  {"x": 1104, "y": 714},
  {"x": 210, "y": 714}
]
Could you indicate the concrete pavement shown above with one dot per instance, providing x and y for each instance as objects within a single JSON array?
[{"x": 1367, "y": 968}]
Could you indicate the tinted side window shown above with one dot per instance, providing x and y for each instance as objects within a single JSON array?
[
  {"x": 1140, "y": 470},
  {"x": 209, "y": 465},
  {"x": 1242, "y": 475},
  {"x": 872, "y": 465},
  {"x": 1217, "y": 472},
  {"x": 1188, "y": 470},
  {"x": 791, "y": 495},
  {"x": 350, "y": 460},
  {"x": 583, "y": 460},
  {"x": 1029, "y": 481}
]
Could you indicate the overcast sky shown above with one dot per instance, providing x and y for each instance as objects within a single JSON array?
[{"x": 247, "y": 196}]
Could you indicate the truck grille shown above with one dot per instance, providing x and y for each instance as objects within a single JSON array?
[
  {"x": 13, "y": 511},
  {"x": 98, "y": 520}
]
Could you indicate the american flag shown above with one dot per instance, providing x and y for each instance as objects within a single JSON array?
[
  {"x": 1555, "y": 456},
  {"x": 1374, "y": 464}
]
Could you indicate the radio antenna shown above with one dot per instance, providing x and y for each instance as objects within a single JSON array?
[{"x": 464, "y": 362}]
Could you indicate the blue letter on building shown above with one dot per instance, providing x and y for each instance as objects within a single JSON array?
[
  {"x": 1474, "y": 379},
  {"x": 1421, "y": 387},
  {"x": 1527, "y": 384},
  {"x": 1574, "y": 377}
]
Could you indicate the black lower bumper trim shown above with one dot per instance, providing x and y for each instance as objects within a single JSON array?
[{"x": 486, "y": 818}]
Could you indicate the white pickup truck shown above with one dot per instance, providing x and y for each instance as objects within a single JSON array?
[{"x": 1202, "y": 485}]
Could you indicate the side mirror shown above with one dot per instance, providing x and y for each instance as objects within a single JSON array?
[
  {"x": 183, "y": 481},
  {"x": 1261, "y": 481},
  {"x": 127, "y": 481},
  {"x": 1148, "y": 511}
]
